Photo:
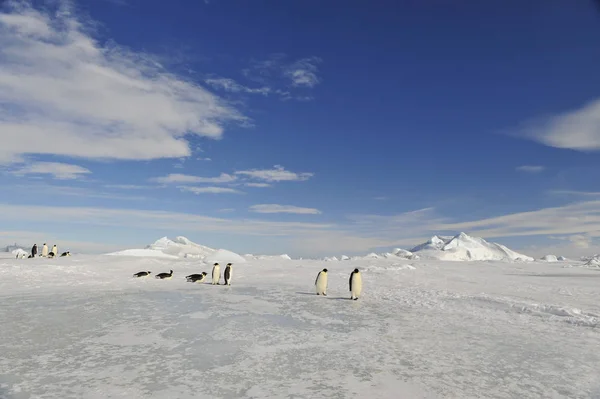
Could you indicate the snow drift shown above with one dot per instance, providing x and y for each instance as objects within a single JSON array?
[
  {"x": 463, "y": 247},
  {"x": 550, "y": 258}
]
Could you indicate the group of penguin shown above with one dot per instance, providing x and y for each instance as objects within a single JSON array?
[
  {"x": 355, "y": 283},
  {"x": 197, "y": 278},
  {"x": 45, "y": 253}
]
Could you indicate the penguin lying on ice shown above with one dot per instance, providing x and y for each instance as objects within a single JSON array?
[
  {"x": 165, "y": 275},
  {"x": 196, "y": 278},
  {"x": 141, "y": 274}
]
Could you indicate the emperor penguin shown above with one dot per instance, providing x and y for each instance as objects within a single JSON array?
[
  {"x": 34, "y": 250},
  {"x": 355, "y": 284},
  {"x": 321, "y": 282},
  {"x": 55, "y": 250},
  {"x": 45, "y": 250},
  {"x": 163, "y": 276},
  {"x": 196, "y": 278},
  {"x": 68, "y": 253},
  {"x": 142, "y": 274},
  {"x": 216, "y": 274},
  {"x": 227, "y": 274}
]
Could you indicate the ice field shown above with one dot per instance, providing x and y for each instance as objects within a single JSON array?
[{"x": 83, "y": 327}]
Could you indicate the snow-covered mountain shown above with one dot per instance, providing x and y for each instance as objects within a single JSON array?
[{"x": 463, "y": 247}]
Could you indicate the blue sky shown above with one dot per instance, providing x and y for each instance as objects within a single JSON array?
[{"x": 303, "y": 127}]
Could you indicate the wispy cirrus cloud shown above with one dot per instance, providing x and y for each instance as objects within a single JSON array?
[
  {"x": 303, "y": 72},
  {"x": 283, "y": 76},
  {"x": 97, "y": 101},
  {"x": 276, "y": 208},
  {"x": 209, "y": 190},
  {"x": 577, "y": 129},
  {"x": 530, "y": 168},
  {"x": 260, "y": 185},
  {"x": 574, "y": 193},
  {"x": 182, "y": 178},
  {"x": 277, "y": 174},
  {"x": 58, "y": 170},
  {"x": 234, "y": 87}
]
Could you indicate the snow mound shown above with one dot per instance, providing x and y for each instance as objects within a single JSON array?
[
  {"x": 593, "y": 262},
  {"x": 181, "y": 247},
  {"x": 143, "y": 253},
  {"x": 19, "y": 252},
  {"x": 11, "y": 248},
  {"x": 331, "y": 259},
  {"x": 463, "y": 247},
  {"x": 403, "y": 253},
  {"x": 224, "y": 256},
  {"x": 344, "y": 257},
  {"x": 550, "y": 258},
  {"x": 268, "y": 257},
  {"x": 561, "y": 259}
]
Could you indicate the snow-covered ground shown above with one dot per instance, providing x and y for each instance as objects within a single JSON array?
[{"x": 83, "y": 327}]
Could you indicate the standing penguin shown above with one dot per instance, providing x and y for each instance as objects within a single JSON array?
[
  {"x": 355, "y": 284},
  {"x": 34, "y": 251},
  {"x": 227, "y": 274},
  {"x": 55, "y": 250},
  {"x": 216, "y": 274},
  {"x": 45, "y": 250},
  {"x": 321, "y": 283}
]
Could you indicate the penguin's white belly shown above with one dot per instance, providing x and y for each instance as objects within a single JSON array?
[
  {"x": 322, "y": 284},
  {"x": 45, "y": 251},
  {"x": 216, "y": 275},
  {"x": 356, "y": 286}
]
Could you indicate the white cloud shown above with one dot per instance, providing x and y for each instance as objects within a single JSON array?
[
  {"x": 576, "y": 129},
  {"x": 209, "y": 190},
  {"x": 277, "y": 70},
  {"x": 58, "y": 190},
  {"x": 129, "y": 186},
  {"x": 575, "y": 193},
  {"x": 574, "y": 218},
  {"x": 278, "y": 173},
  {"x": 530, "y": 168},
  {"x": 60, "y": 171},
  {"x": 275, "y": 208},
  {"x": 157, "y": 220},
  {"x": 234, "y": 87},
  {"x": 203, "y": 159},
  {"x": 226, "y": 210},
  {"x": 62, "y": 92},
  {"x": 261, "y": 185},
  {"x": 181, "y": 178},
  {"x": 303, "y": 72}
]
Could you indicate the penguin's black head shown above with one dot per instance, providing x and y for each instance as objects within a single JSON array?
[
  {"x": 355, "y": 270},
  {"x": 171, "y": 271},
  {"x": 325, "y": 270},
  {"x": 149, "y": 272},
  {"x": 216, "y": 264},
  {"x": 204, "y": 273},
  {"x": 229, "y": 264}
]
